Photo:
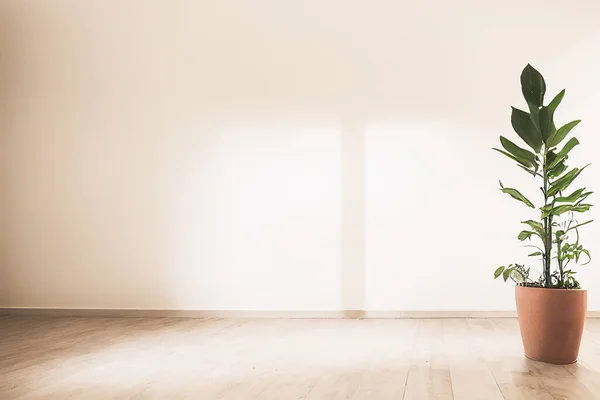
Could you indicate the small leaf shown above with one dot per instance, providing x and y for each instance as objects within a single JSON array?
[
  {"x": 506, "y": 273},
  {"x": 536, "y": 254},
  {"x": 522, "y": 161},
  {"x": 498, "y": 272},
  {"x": 546, "y": 117},
  {"x": 570, "y": 198},
  {"x": 515, "y": 194},
  {"x": 550, "y": 157},
  {"x": 587, "y": 253},
  {"x": 536, "y": 226},
  {"x": 524, "y": 235},
  {"x": 518, "y": 152},
  {"x": 532, "y": 172},
  {"x": 583, "y": 197},
  {"x": 570, "y": 144},
  {"x": 563, "y": 209},
  {"x": 580, "y": 225},
  {"x": 556, "y": 161},
  {"x": 558, "y": 170},
  {"x": 561, "y": 133},
  {"x": 563, "y": 182}
]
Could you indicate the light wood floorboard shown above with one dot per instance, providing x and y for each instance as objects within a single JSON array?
[{"x": 245, "y": 359}]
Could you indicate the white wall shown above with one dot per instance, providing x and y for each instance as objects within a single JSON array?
[{"x": 275, "y": 155}]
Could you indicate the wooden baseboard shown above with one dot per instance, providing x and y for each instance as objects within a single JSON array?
[{"x": 316, "y": 314}]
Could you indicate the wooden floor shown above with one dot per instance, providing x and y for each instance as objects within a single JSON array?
[{"x": 130, "y": 358}]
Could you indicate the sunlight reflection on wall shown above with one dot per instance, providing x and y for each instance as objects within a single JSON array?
[{"x": 254, "y": 222}]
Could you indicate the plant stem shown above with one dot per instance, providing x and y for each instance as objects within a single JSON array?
[
  {"x": 547, "y": 226},
  {"x": 560, "y": 263}
]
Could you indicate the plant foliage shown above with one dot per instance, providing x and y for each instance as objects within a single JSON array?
[{"x": 555, "y": 237}]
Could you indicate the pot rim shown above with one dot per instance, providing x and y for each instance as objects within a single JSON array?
[{"x": 553, "y": 289}]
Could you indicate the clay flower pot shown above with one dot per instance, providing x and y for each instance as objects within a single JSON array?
[{"x": 551, "y": 322}]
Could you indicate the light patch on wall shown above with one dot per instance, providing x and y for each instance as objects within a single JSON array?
[
  {"x": 431, "y": 199},
  {"x": 254, "y": 215}
]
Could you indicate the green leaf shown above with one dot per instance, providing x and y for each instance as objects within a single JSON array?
[
  {"x": 587, "y": 253},
  {"x": 518, "y": 152},
  {"x": 580, "y": 225},
  {"x": 536, "y": 226},
  {"x": 561, "y": 133},
  {"x": 565, "y": 208},
  {"x": 546, "y": 117},
  {"x": 555, "y": 160},
  {"x": 534, "y": 115},
  {"x": 515, "y": 194},
  {"x": 524, "y": 235},
  {"x": 519, "y": 160},
  {"x": 547, "y": 127},
  {"x": 522, "y": 124},
  {"x": 557, "y": 170},
  {"x": 583, "y": 197},
  {"x": 506, "y": 273},
  {"x": 550, "y": 158},
  {"x": 570, "y": 144},
  {"x": 563, "y": 182},
  {"x": 532, "y": 172},
  {"x": 570, "y": 198},
  {"x": 537, "y": 253},
  {"x": 498, "y": 272},
  {"x": 533, "y": 86}
]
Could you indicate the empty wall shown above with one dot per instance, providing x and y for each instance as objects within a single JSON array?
[{"x": 260, "y": 155}]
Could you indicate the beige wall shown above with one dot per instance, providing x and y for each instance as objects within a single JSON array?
[{"x": 273, "y": 154}]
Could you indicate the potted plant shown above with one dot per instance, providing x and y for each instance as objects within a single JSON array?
[{"x": 551, "y": 308}]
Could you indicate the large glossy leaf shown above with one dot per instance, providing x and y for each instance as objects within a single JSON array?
[
  {"x": 546, "y": 118},
  {"x": 518, "y": 152},
  {"x": 522, "y": 123},
  {"x": 522, "y": 161},
  {"x": 533, "y": 86},
  {"x": 572, "y": 198},
  {"x": 515, "y": 194},
  {"x": 561, "y": 133},
  {"x": 563, "y": 182}
]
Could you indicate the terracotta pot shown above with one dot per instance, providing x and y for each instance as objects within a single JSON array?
[{"x": 551, "y": 322}]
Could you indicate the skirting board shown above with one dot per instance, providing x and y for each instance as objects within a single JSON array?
[{"x": 325, "y": 314}]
